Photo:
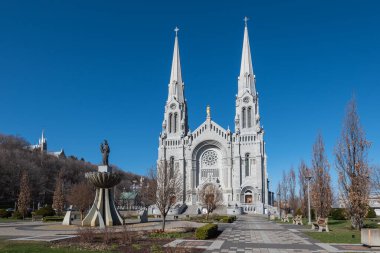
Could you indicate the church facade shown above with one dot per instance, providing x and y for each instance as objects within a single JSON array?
[{"x": 236, "y": 160}]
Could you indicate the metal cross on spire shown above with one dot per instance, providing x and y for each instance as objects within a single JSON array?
[
  {"x": 176, "y": 29},
  {"x": 246, "y": 20}
]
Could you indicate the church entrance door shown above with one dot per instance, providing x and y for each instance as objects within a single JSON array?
[{"x": 248, "y": 199}]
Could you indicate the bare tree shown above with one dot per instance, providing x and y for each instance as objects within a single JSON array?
[
  {"x": 292, "y": 189},
  {"x": 302, "y": 173},
  {"x": 24, "y": 196},
  {"x": 211, "y": 197},
  {"x": 279, "y": 200},
  {"x": 81, "y": 196},
  {"x": 148, "y": 191},
  {"x": 169, "y": 189},
  {"x": 321, "y": 195},
  {"x": 285, "y": 191},
  {"x": 58, "y": 197},
  {"x": 351, "y": 163}
]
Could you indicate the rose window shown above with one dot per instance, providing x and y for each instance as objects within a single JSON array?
[{"x": 209, "y": 158}]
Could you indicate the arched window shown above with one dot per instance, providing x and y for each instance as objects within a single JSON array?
[
  {"x": 175, "y": 122},
  {"x": 244, "y": 117},
  {"x": 247, "y": 165},
  {"x": 249, "y": 112},
  {"x": 170, "y": 122},
  {"x": 171, "y": 167}
]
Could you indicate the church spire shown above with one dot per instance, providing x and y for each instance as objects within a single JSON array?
[
  {"x": 176, "y": 83},
  {"x": 246, "y": 77}
]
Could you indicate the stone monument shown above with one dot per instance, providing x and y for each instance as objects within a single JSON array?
[
  {"x": 67, "y": 219},
  {"x": 103, "y": 211}
]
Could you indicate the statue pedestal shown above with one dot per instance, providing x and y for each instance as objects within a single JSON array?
[
  {"x": 105, "y": 168},
  {"x": 103, "y": 211}
]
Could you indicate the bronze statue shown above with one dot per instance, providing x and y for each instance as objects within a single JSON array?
[{"x": 105, "y": 149}]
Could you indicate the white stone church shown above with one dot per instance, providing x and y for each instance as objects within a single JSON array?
[{"x": 236, "y": 160}]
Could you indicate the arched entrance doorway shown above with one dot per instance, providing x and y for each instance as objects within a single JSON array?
[{"x": 248, "y": 197}]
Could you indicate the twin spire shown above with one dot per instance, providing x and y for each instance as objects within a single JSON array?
[
  {"x": 176, "y": 83},
  {"x": 246, "y": 80},
  {"x": 247, "y": 77}
]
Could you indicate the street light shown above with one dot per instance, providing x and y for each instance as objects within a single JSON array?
[
  {"x": 278, "y": 202},
  {"x": 308, "y": 178}
]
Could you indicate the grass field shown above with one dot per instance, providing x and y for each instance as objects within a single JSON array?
[
  {"x": 2, "y": 220},
  {"x": 340, "y": 232}
]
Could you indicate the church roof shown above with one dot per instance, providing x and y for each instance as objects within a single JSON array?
[{"x": 128, "y": 195}]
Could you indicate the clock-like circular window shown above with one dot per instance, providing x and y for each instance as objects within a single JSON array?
[{"x": 209, "y": 158}]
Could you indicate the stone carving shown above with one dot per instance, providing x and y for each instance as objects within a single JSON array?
[{"x": 105, "y": 150}]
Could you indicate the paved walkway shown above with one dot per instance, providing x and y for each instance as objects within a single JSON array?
[{"x": 257, "y": 234}]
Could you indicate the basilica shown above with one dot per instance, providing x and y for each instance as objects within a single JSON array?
[{"x": 236, "y": 160}]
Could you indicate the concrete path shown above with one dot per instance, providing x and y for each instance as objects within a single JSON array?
[{"x": 257, "y": 234}]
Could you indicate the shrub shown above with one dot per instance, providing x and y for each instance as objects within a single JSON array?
[
  {"x": 338, "y": 214},
  {"x": 370, "y": 225},
  {"x": 5, "y": 214},
  {"x": 371, "y": 213},
  {"x": 206, "y": 232},
  {"x": 298, "y": 211},
  {"x": 227, "y": 219},
  {"x": 17, "y": 215},
  {"x": 45, "y": 211},
  {"x": 52, "y": 218}
]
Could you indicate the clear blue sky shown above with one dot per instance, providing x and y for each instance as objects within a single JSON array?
[{"x": 89, "y": 70}]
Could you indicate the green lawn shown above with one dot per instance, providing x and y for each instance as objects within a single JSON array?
[
  {"x": 36, "y": 247},
  {"x": 340, "y": 232},
  {"x": 12, "y": 220}
]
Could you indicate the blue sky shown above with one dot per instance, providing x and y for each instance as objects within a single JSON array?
[{"x": 89, "y": 70}]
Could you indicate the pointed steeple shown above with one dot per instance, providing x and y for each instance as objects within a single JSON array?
[
  {"x": 43, "y": 142},
  {"x": 176, "y": 83},
  {"x": 246, "y": 77}
]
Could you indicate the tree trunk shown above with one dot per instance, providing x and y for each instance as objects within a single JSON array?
[{"x": 163, "y": 222}]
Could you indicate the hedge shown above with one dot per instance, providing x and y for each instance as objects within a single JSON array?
[
  {"x": 206, "y": 232},
  {"x": 17, "y": 215},
  {"x": 227, "y": 219},
  {"x": 45, "y": 211},
  {"x": 371, "y": 213},
  {"x": 52, "y": 218},
  {"x": 338, "y": 214},
  {"x": 5, "y": 214}
]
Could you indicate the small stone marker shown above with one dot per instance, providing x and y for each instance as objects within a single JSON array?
[{"x": 67, "y": 219}]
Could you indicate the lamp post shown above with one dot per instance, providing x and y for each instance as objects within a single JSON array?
[
  {"x": 308, "y": 178},
  {"x": 278, "y": 203}
]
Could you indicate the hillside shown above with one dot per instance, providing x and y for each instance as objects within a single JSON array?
[{"x": 43, "y": 170}]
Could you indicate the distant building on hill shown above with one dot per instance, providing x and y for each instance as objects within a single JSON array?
[{"x": 42, "y": 146}]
